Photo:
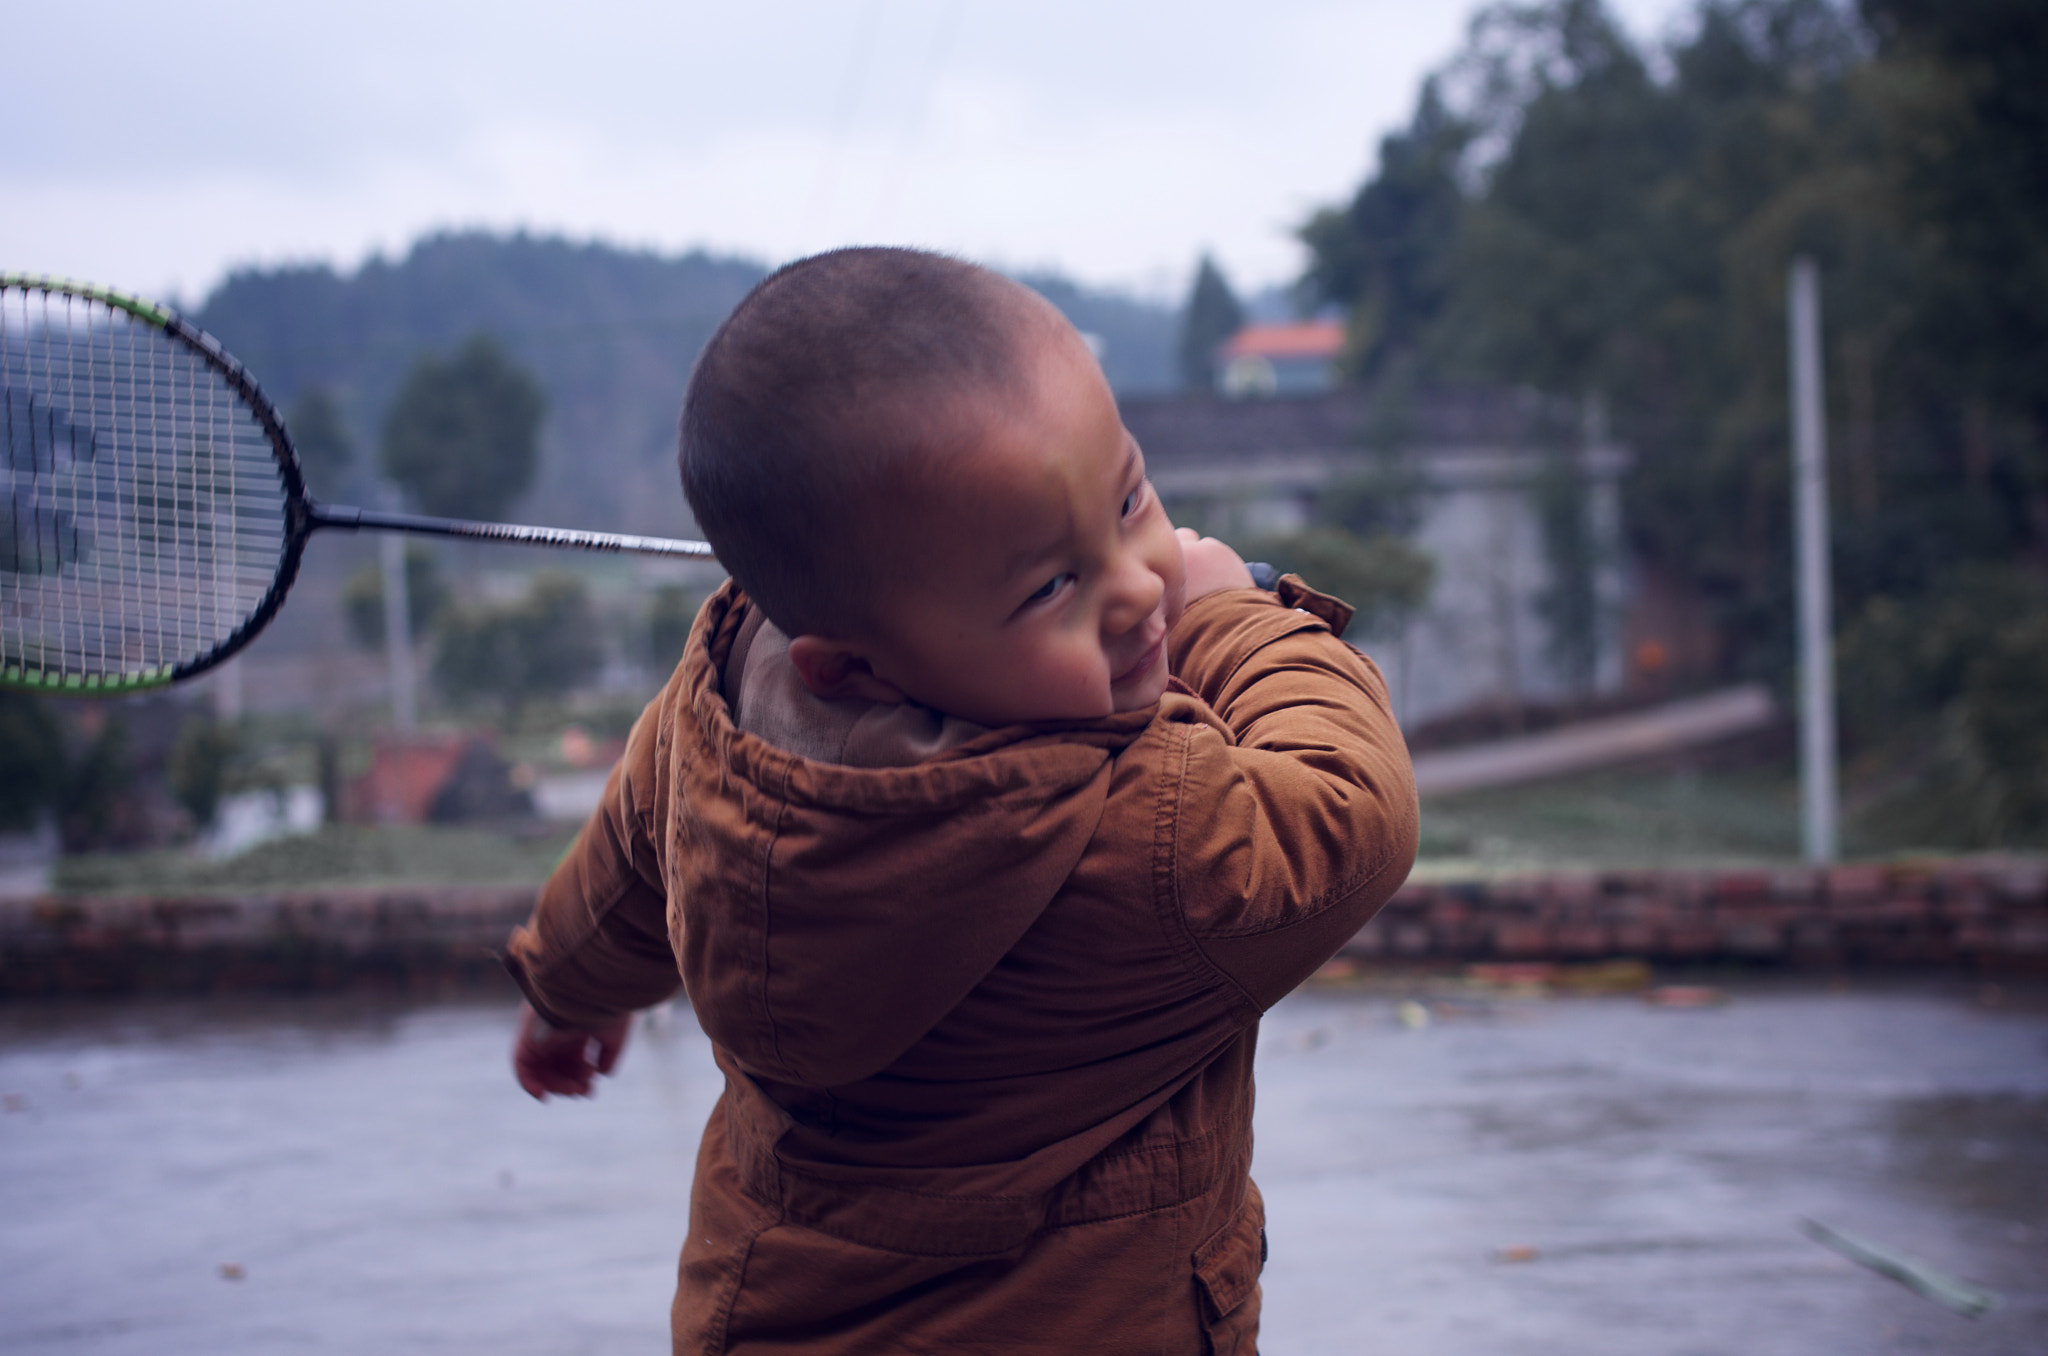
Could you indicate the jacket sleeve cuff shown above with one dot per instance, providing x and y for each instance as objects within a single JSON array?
[
  {"x": 1221, "y": 630},
  {"x": 1335, "y": 612}
]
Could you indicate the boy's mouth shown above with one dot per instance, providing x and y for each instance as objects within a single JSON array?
[{"x": 1143, "y": 664}]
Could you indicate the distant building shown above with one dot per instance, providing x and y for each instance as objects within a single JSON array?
[
  {"x": 1280, "y": 360},
  {"x": 1247, "y": 469}
]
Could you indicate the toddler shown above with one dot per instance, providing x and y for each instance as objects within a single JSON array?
[{"x": 982, "y": 819}]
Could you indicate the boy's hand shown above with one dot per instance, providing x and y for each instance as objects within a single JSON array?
[
  {"x": 559, "y": 1060},
  {"x": 1211, "y": 566}
]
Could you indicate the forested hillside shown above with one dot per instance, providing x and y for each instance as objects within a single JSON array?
[{"x": 608, "y": 333}]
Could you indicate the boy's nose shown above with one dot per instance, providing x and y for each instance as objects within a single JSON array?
[{"x": 1135, "y": 589}]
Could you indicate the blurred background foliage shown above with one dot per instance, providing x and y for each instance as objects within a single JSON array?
[
  {"x": 543, "y": 644},
  {"x": 1597, "y": 220}
]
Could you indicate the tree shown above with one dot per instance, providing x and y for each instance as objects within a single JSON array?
[
  {"x": 670, "y": 614},
  {"x": 543, "y": 645},
  {"x": 324, "y": 447},
  {"x": 1386, "y": 258},
  {"x": 31, "y": 760},
  {"x": 1213, "y": 314},
  {"x": 95, "y": 808},
  {"x": 362, "y": 598},
  {"x": 1623, "y": 238},
  {"x": 1628, "y": 221},
  {"x": 1383, "y": 576},
  {"x": 462, "y": 437},
  {"x": 199, "y": 766}
]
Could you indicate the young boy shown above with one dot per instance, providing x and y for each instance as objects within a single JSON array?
[{"x": 981, "y": 820}]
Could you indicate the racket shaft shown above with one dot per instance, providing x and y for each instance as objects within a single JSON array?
[{"x": 561, "y": 538}]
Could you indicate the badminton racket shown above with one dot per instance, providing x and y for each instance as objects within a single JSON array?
[{"x": 155, "y": 513}]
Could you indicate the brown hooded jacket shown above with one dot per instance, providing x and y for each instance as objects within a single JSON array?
[{"x": 987, "y": 1021}]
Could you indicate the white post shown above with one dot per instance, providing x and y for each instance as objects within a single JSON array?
[
  {"x": 1817, "y": 792},
  {"x": 398, "y": 632},
  {"x": 227, "y": 691}
]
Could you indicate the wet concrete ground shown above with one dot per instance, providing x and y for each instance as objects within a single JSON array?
[{"x": 1575, "y": 1175}]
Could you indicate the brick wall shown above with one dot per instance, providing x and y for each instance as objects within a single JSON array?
[
  {"x": 1982, "y": 913},
  {"x": 1987, "y": 914},
  {"x": 403, "y": 937}
]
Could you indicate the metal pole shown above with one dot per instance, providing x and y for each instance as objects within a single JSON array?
[
  {"x": 398, "y": 633},
  {"x": 1817, "y": 793}
]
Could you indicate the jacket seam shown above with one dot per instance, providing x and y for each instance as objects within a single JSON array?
[
  {"x": 1187, "y": 943},
  {"x": 1315, "y": 907},
  {"x": 1014, "y": 1198},
  {"x": 768, "y": 915},
  {"x": 1309, "y": 622},
  {"x": 593, "y": 924},
  {"x": 732, "y": 1293}
]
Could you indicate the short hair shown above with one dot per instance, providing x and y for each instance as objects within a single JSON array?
[{"x": 828, "y": 386}]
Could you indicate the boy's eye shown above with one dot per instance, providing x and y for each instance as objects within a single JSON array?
[
  {"x": 1133, "y": 500},
  {"x": 1049, "y": 589}
]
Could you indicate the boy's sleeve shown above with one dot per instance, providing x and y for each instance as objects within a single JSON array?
[
  {"x": 598, "y": 943},
  {"x": 1289, "y": 835}
]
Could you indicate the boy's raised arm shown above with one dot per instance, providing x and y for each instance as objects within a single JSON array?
[{"x": 1297, "y": 829}]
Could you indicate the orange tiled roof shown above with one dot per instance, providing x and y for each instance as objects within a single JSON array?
[{"x": 1309, "y": 339}]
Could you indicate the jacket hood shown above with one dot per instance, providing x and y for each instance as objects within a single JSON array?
[{"x": 832, "y": 915}]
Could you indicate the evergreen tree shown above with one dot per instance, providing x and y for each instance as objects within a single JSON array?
[
  {"x": 325, "y": 450},
  {"x": 1386, "y": 257},
  {"x": 463, "y": 436},
  {"x": 1212, "y": 315}
]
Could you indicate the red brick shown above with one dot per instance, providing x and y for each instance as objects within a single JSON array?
[
  {"x": 1572, "y": 887},
  {"x": 1449, "y": 910},
  {"x": 1691, "y": 939},
  {"x": 2023, "y": 882},
  {"x": 1813, "y": 934},
  {"x": 1740, "y": 885},
  {"x": 1581, "y": 939},
  {"x": 1754, "y": 939},
  {"x": 1855, "y": 882},
  {"x": 1522, "y": 939},
  {"x": 1634, "y": 937},
  {"x": 1798, "y": 884},
  {"x": 1412, "y": 939}
]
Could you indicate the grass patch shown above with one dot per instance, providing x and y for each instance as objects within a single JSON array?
[
  {"x": 336, "y": 855},
  {"x": 1615, "y": 819}
]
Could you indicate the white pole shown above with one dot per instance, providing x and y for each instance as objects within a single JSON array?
[
  {"x": 398, "y": 632},
  {"x": 1817, "y": 792},
  {"x": 227, "y": 691}
]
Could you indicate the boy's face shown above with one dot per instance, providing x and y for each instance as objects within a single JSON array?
[{"x": 1035, "y": 575}]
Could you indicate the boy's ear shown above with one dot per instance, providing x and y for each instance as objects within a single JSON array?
[{"x": 834, "y": 670}]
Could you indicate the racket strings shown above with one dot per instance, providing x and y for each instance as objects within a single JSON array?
[{"x": 144, "y": 513}]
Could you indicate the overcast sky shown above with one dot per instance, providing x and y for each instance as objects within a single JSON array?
[{"x": 153, "y": 147}]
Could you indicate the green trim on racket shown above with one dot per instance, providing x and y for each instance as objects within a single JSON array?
[{"x": 139, "y": 307}]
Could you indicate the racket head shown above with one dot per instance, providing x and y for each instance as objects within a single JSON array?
[{"x": 152, "y": 513}]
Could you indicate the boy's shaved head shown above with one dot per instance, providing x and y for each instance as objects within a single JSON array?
[{"x": 819, "y": 399}]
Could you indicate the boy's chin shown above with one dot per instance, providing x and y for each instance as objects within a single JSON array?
[{"x": 1141, "y": 692}]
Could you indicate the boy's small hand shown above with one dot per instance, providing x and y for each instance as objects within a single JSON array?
[
  {"x": 556, "y": 1060},
  {"x": 1211, "y": 565}
]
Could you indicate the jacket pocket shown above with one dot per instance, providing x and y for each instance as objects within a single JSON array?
[{"x": 1227, "y": 1270}]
